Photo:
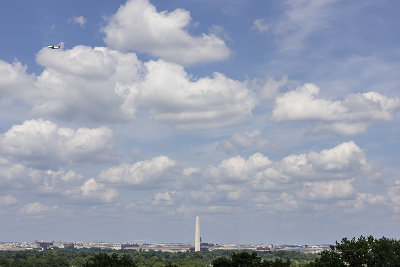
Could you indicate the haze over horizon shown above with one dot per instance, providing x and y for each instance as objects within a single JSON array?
[{"x": 273, "y": 121}]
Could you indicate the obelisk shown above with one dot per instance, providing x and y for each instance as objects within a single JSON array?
[{"x": 197, "y": 235}]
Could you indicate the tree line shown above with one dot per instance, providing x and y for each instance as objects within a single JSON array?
[{"x": 364, "y": 251}]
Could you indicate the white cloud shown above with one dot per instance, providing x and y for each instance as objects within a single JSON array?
[
  {"x": 344, "y": 161},
  {"x": 93, "y": 190},
  {"x": 138, "y": 26},
  {"x": 206, "y": 102},
  {"x": 237, "y": 169},
  {"x": 270, "y": 179},
  {"x": 84, "y": 80},
  {"x": 7, "y": 200},
  {"x": 342, "y": 158},
  {"x": 81, "y": 20},
  {"x": 170, "y": 198},
  {"x": 340, "y": 162},
  {"x": 328, "y": 190},
  {"x": 14, "y": 81},
  {"x": 17, "y": 176},
  {"x": 350, "y": 116},
  {"x": 44, "y": 144},
  {"x": 106, "y": 85},
  {"x": 244, "y": 140},
  {"x": 148, "y": 173},
  {"x": 34, "y": 208},
  {"x": 190, "y": 171},
  {"x": 54, "y": 182},
  {"x": 260, "y": 25}
]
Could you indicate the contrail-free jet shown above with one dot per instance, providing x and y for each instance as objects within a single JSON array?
[{"x": 56, "y": 46}]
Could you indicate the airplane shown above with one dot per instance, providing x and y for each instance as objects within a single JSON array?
[{"x": 56, "y": 46}]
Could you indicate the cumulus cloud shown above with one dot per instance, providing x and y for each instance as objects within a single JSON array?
[
  {"x": 85, "y": 80},
  {"x": 91, "y": 189},
  {"x": 42, "y": 143},
  {"x": 344, "y": 157},
  {"x": 20, "y": 178},
  {"x": 170, "y": 198},
  {"x": 148, "y": 173},
  {"x": 172, "y": 96},
  {"x": 342, "y": 162},
  {"x": 138, "y": 26},
  {"x": 347, "y": 117},
  {"x": 106, "y": 85},
  {"x": 244, "y": 140},
  {"x": 270, "y": 179},
  {"x": 237, "y": 169},
  {"x": 328, "y": 190},
  {"x": 14, "y": 81},
  {"x": 206, "y": 102},
  {"x": 54, "y": 182}
]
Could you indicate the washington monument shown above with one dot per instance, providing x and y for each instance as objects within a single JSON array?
[{"x": 197, "y": 235}]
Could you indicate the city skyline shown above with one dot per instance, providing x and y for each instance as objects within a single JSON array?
[{"x": 273, "y": 121}]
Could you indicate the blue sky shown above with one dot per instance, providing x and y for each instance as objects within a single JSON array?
[{"x": 273, "y": 121}]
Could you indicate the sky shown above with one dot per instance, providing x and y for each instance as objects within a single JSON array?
[{"x": 273, "y": 121}]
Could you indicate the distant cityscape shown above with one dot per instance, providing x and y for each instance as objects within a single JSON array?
[{"x": 163, "y": 247}]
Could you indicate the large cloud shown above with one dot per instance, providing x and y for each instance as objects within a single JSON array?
[
  {"x": 348, "y": 117},
  {"x": 14, "y": 81},
  {"x": 86, "y": 80},
  {"x": 148, "y": 173},
  {"x": 106, "y": 85},
  {"x": 206, "y": 102},
  {"x": 237, "y": 169},
  {"x": 344, "y": 161},
  {"x": 44, "y": 144},
  {"x": 328, "y": 190},
  {"x": 91, "y": 189},
  {"x": 138, "y": 26}
]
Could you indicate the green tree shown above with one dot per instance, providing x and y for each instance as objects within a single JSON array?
[
  {"x": 362, "y": 252},
  {"x": 222, "y": 262},
  {"x": 105, "y": 260},
  {"x": 245, "y": 259}
]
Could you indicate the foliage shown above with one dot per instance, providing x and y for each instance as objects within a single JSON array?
[
  {"x": 105, "y": 260},
  {"x": 85, "y": 257},
  {"x": 247, "y": 259},
  {"x": 362, "y": 252}
]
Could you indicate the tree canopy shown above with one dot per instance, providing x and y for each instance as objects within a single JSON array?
[{"x": 366, "y": 251}]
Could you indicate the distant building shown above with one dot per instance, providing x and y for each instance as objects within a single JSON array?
[{"x": 42, "y": 244}]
